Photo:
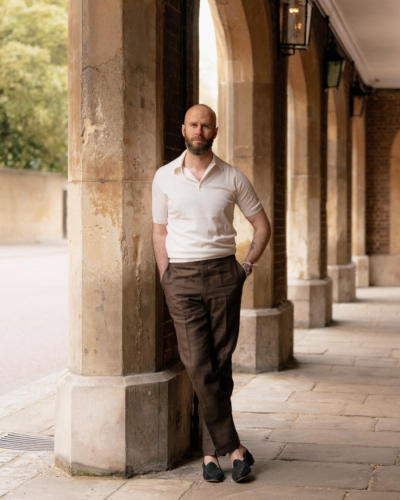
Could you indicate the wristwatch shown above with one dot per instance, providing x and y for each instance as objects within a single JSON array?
[{"x": 248, "y": 267}]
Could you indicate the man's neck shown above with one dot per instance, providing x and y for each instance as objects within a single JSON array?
[{"x": 198, "y": 162}]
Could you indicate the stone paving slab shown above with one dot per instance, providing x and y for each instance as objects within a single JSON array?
[
  {"x": 245, "y": 420},
  {"x": 64, "y": 488},
  {"x": 388, "y": 424},
  {"x": 299, "y": 473},
  {"x": 339, "y": 453},
  {"x": 334, "y": 422},
  {"x": 386, "y": 479},
  {"x": 357, "y": 388},
  {"x": 372, "y": 495},
  {"x": 322, "y": 397},
  {"x": 255, "y": 491},
  {"x": 333, "y": 436},
  {"x": 31, "y": 420},
  {"x": 161, "y": 489}
]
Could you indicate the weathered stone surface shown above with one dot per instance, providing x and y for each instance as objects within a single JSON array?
[
  {"x": 388, "y": 424},
  {"x": 262, "y": 491},
  {"x": 339, "y": 453},
  {"x": 362, "y": 270},
  {"x": 143, "y": 421},
  {"x": 162, "y": 489},
  {"x": 386, "y": 479},
  {"x": 350, "y": 437},
  {"x": 312, "y": 301},
  {"x": 372, "y": 495},
  {"x": 265, "y": 339},
  {"x": 331, "y": 475},
  {"x": 34, "y": 419},
  {"x": 343, "y": 282},
  {"x": 62, "y": 488},
  {"x": 247, "y": 420},
  {"x": 333, "y": 422}
]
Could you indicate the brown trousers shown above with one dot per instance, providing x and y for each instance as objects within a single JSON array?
[{"x": 203, "y": 299}]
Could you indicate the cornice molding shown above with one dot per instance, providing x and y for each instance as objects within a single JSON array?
[{"x": 344, "y": 35}]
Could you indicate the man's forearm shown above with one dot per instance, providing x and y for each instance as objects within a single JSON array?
[
  {"x": 160, "y": 253},
  {"x": 262, "y": 235},
  {"x": 260, "y": 241}
]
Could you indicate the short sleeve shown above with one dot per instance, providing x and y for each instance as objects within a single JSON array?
[
  {"x": 159, "y": 203},
  {"x": 246, "y": 197}
]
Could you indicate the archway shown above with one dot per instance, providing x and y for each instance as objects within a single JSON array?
[{"x": 246, "y": 104}]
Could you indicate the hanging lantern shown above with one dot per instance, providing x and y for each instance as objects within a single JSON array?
[
  {"x": 294, "y": 25},
  {"x": 334, "y": 64},
  {"x": 358, "y": 98}
]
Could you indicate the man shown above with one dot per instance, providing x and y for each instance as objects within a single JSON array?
[{"x": 194, "y": 245}]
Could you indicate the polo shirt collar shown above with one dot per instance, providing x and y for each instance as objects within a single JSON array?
[{"x": 177, "y": 164}]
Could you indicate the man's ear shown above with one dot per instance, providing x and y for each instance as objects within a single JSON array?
[
  {"x": 215, "y": 132},
  {"x": 183, "y": 130}
]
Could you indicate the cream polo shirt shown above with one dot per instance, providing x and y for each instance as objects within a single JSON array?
[{"x": 199, "y": 214}]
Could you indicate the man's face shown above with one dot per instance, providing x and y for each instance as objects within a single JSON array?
[{"x": 199, "y": 130}]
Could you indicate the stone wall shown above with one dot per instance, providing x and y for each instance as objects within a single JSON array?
[{"x": 31, "y": 206}]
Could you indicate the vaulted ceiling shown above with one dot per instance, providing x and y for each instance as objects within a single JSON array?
[{"x": 369, "y": 30}]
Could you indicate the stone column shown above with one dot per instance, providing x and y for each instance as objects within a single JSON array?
[
  {"x": 248, "y": 102},
  {"x": 309, "y": 287},
  {"x": 340, "y": 268},
  {"x": 117, "y": 410},
  {"x": 359, "y": 256}
]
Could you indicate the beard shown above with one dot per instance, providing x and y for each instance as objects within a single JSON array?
[{"x": 199, "y": 149}]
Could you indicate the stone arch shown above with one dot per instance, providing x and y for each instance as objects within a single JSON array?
[
  {"x": 245, "y": 106},
  {"x": 248, "y": 102},
  {"x": 395, "y": 195}
]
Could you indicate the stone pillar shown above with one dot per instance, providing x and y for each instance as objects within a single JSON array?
[
  {"x": 309, "y": 287},
  {"x": 117, "y": 411},
  {"x": 248, "y": 104},
  {"x": 340, "y": 268},
  {"x": 359, "y": 257}
]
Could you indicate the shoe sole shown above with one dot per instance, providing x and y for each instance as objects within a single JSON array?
[{"x": 242, "y": 478}]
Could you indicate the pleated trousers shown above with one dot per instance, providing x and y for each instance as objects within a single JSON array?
[{"x": 203, "y": 299}]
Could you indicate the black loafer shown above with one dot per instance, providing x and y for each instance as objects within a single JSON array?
[
  {"x": 241, "y": 469},
  {"x": 213, "y": 473},
  {"x": 248, "y": 458}
]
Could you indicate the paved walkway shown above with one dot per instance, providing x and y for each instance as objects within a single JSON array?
[
  {"x": 326, "y": 430},
  {"x": 33, "y": 319}
]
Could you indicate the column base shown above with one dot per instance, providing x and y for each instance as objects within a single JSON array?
[
  {"x": 312, "y": 301},
  {"x": 343, "y": 282},
  {"x": 265, "y": 339},
  {"x": 385, "y": 270},
  {"x": 122, "y": 425},
  {"x": 362, "y": 270}
]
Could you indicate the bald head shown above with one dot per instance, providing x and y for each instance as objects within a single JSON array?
[
  {"x": 199, "y": 129},
  {"x": 205, "y": 109}
]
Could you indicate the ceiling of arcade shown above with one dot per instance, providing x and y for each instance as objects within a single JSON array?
[{"x": 369, "y": 31}]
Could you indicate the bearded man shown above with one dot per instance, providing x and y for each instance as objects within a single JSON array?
[{"x": 194, "y": 244}]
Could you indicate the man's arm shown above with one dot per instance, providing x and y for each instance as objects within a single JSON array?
[
  {"x": 262, "y": 235},
  {"x": 160, "y": 251}
]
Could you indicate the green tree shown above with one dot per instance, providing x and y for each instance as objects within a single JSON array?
[{"x": 33, "y": 84}]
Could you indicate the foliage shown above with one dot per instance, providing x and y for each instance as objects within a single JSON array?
[{"x": 33, "y": 84}]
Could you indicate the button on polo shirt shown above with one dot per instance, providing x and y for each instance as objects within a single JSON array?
[{"x": 199, "y": 214}]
